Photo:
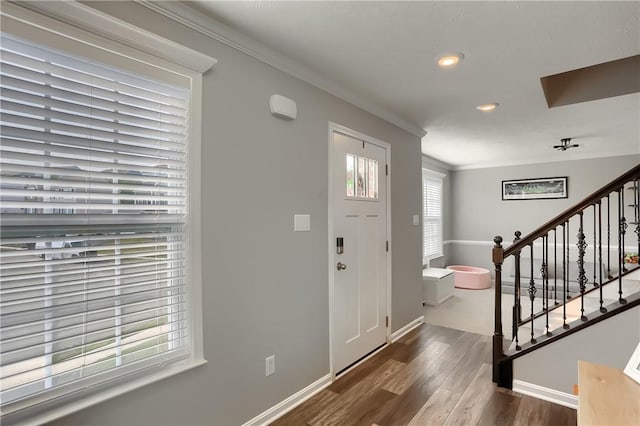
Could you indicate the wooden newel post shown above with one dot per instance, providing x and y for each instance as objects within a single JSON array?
[{"x": 498, "y": 353}]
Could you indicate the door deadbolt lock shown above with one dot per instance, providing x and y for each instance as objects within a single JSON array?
[{"x": 341, "y": 266}]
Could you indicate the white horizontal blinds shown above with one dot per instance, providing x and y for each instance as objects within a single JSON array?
[
  {"x": 93, "y": 208},
  {"x": 432, "y": 216}
]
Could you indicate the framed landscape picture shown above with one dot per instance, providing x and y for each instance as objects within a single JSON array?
[{"x": 535, "y": 189}]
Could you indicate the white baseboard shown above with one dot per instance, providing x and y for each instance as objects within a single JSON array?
[
  {"x": 290, "y": 403},
  {"x": 407, "y": 328},
  {"x": 546, "y": 394}
]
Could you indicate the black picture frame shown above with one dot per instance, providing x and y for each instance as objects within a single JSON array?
[{"x": 546, "y": 188}]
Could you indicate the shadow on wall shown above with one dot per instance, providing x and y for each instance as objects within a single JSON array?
[{"x": 438, "y": 262}]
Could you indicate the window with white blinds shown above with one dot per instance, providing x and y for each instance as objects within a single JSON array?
[
  {"x": 93, "y": 199},
  {"x": 431, "y": 215}
]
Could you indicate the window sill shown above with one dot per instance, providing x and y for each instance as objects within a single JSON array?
[
  {"x": 117, "y": 390},
  {"x": 425, "y": 260}
]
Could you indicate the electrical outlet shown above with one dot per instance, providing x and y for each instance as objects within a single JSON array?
[{"x": 270, "y": 365}]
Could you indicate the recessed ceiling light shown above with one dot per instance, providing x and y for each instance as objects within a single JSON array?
[
  {"x": 487, "y": 107},
  {"x": 450, "y": 60}
]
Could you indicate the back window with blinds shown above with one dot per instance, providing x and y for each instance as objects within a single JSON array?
[
  {"x": 93, "y": 199},
  {"x": 432, "y": 216}
]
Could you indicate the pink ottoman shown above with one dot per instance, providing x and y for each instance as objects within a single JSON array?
[{"x": 470, "y": 277}]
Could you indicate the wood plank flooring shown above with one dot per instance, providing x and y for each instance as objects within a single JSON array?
[{"x": 431, "y": 376}]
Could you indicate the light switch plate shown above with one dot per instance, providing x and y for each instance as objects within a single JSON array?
[
  {"x": 270, "y": 365},
  {"x": 301, "y": 222},
  {"x": 416, "y": 220}
]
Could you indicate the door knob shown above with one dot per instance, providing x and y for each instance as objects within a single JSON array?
[{"x": 341, "y": 266}]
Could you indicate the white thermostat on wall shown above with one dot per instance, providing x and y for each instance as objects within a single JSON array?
[{"x": 283, "y": 107}]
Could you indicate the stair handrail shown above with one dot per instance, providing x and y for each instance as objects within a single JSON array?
[
  {"x": 569, "y": 213},
  {"x": 503, "y": 374}
]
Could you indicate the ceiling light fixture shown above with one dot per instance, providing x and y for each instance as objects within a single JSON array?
[
  {"x": 450, "y": 60},
  {"x": 487, "y": 107},
  {"x": 565, "y": 144}
]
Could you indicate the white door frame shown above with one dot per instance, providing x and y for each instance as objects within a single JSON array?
[{"x": 335, "y": 127}]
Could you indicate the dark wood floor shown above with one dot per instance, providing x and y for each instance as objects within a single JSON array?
[{"x": 431, "y": 376}]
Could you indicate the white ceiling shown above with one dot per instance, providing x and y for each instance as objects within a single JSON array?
[{"x": 384, "y": 53}]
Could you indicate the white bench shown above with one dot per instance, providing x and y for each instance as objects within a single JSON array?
[{"x": 437, "y": 285}]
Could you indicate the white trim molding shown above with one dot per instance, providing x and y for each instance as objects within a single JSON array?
[
  {"x": 506, "y": 244},
  {"x": 430, "y": 161},
  {"x": 91, "y": 20},
  {"x": 432, "y": 173},
  {"x": 471, "y": 242},
  {"x": 210, "y": 27},
  {"x": 396, "y": 335},
  {"x": 288, "y": 404},
  {"x": 542, "y": 160},
  {"x": 546, "y": 394}
]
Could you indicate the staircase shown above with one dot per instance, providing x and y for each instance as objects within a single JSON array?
[{"x": 570, "y": 273}]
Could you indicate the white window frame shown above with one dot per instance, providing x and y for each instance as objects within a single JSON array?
[
  {"x": 428, "y": 174},
  {"x": 99, "y": 31},
  {"x": 356, "y": 197}
]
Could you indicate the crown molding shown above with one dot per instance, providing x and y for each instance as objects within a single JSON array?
[
  {"x": 548, "y": 159},
  {"x": 101, "y": 24},
  {"x": 473, "y": 243},
  {"x": 218, "y": 31},
  {"x": 430, "y": 161}
]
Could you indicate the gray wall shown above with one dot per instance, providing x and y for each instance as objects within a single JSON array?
[
  {"x": 555, "y": 366},
  {"x": 266, "y": 287},
  {"x": 479, "y": 212}
]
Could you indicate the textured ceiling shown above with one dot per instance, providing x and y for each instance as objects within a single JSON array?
[{"x": 385, "y": 52}]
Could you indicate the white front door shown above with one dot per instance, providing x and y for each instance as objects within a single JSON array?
[{"x": 359, "y": 249}]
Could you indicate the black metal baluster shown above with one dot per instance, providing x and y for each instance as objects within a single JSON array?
[
  {"x": 582, "y": 278},
  {"x": 609, "y": 237},
  {"x": 545, "y": 279},
  {"x": 602, "y": 308},
  {"x": 595, "y": 254},
  {"x": 555, "y": 266},
  {"x": 542, "y": 274},
  {"x": 636, "y": 198},
  {"x": 532, "y": 291},
  {"x": 622, "y": 228},
  {"x": 565, "y": 262},
  {"x": 517, "y": 308},
  {"x": 567, "y": 266}
]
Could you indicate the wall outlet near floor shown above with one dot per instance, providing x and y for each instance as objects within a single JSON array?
[{"x": 270, "y": 365}]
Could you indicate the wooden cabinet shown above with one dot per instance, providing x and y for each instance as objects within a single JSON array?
[{"x": 607, "y": 396}]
